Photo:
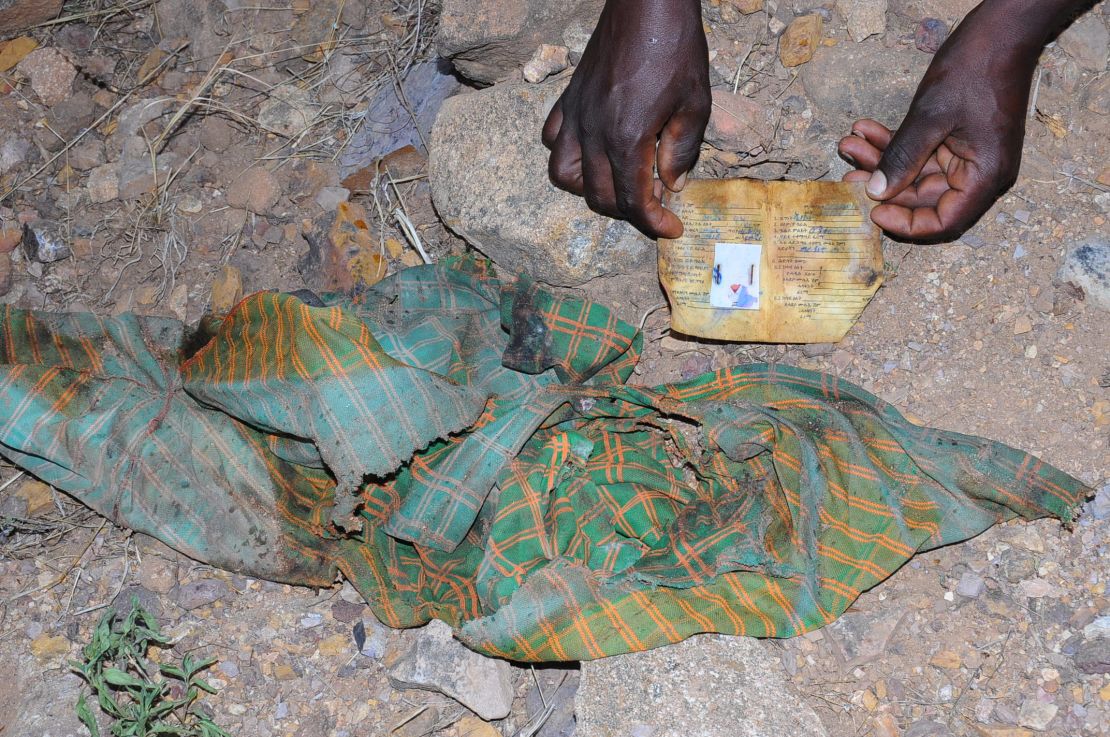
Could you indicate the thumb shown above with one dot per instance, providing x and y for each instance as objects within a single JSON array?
[
  {"x": 679, "y": 145},
  {"x": 907, "y": 153}
]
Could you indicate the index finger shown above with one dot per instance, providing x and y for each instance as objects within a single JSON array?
[{"x": 637, "y": 200}]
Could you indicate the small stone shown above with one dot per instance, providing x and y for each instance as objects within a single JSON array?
[
  {"x": 13, "y": 152},
  {"x": 257, "y": 190},
  {"x": 347, "y": 611},
  {"x": 1038, "y": 588},
  {"x": 1023, "y": 216},
  {"x": 335, "y": 646},
  {"x": 103, "y": 183},
  {"x": 17, "y": 15},
  {"x": 886, "y": 726},
  {"x": 5, "y": 273},
  {"x": 865, "y": 17},
  {"x": 312, "y": 619},
  {"x": 799, "y": 42},
  {"x": 329, "y": 197},
  {"x": 50, "y": 73},
  {"x": 438, "y": 662},
  {"x": 14, "y": 51},
  {"x": 45, "y": 647},
  {"x": 44, "y": 241},
  {"x": 930, "y": 35},
  {"x": 229, "y": 668},
  {"x": 86, "y": 155},
  {"x": 927, "y": 728},
  {"x": 1104, "y": 692},
  {"x": 157, "y": 574},
  {"x": 1094, "y": 656},
  {"x": 546, "y": 61},
  {"x": 738, "y": 123},
  {"x": 471, "y": 726},
  {"x": 1088, "y": 42},
  {"x": 813, "y": 350},
  {"x": 1022, "y": 325},
  {"x": 200, "y": 593},
  {"x": 970, "y": 585},
  {"x": 1099, "y": 507},
  {"x": 869, "y": 700},
  {"x": 947, "y": 659},
  {"x": 288, "y": 111},
  {"x": 284, "y": 672},
  {"x": 746, "y": 7},
  {"x": 138, "y": 177},
  {"x": 998, "y": 730},
  {"x": 1036, "y": 714},
  {"x": 10, "y": 237},
  {"x": 227, "y": 290}
]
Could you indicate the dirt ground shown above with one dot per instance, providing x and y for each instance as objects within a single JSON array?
[{"x": 977, "y": 336}]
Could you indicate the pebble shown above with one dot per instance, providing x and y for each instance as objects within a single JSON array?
[
  {"x": 13, "y": 152},
  {"x": 1036, "y": 714},
  {"x": 17, "y": 15},
  {"x": 227, "y": 290},
  {"x": 547, "y": 60},
  {"x": 865, "y": 17},
  {"x": 1038, "y": 588},
  {"x": 970, "y": 585},
  {"x": 1022, "y": 216},
  {"x": 472, "y": 726},
  {"x": 44, "y": 241},
  {"x": 930, "y": 34},
  {"x": 287, "y": 112},
  {"x": 1093, "y": 656},
  {"x": 103, "y": 183},
  {"x": 1099, "y": 507},
  {"x": 5, "y": 273},
  {"x": 46, "y": 647},
  {"x": 257, "y": 190},
  {"x": 50, "y": 73},
  {"x": 200, "y": 593},
  {"x": 1022, "y": 325},
  {"x": 799, "y": 41},
  {"x": 329, "y": 198},
  {"x": 229, "y": 668},
  {"x": 312, "y": 619}
]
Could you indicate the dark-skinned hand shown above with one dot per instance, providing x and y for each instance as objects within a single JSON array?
[
  {"x": 638, "y": 102},
  {"x": 959, "y": 146}
]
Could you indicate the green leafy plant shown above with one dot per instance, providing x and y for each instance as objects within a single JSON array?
[{"x": 142, "y": 698}]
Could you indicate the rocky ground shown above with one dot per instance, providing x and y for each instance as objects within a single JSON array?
[{"x": 166, "y": 157}]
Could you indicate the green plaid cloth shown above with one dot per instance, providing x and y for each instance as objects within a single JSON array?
[{"x": 468, "y": 449}]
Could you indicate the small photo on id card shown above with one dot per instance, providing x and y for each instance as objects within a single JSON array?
[{"x": 735, "y": 283}]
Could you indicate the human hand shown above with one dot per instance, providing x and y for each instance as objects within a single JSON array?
[
  {"x": 643, "y": 82},
  {"x": 959, "y": 146}
]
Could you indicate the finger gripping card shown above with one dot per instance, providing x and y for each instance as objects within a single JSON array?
[{"x": 783, "y": 262}]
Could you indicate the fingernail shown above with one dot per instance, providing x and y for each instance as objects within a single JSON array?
[
  {"x": 876, "y": 185},
  {"x": 680, "y": 182}
]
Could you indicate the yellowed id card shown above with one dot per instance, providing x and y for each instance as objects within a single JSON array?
[{"x": 782, "y": 262}]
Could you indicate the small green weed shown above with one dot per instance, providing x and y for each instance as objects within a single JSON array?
[{"x": 142, "y": 698}]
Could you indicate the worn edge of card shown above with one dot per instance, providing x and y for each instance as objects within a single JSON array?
[{"x": 779, "y": 262}]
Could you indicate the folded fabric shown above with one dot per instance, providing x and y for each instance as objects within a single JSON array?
[{"x": 467, "y": 448}]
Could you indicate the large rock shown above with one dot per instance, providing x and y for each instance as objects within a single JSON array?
[
  {"x": 438, "y": 662},
  {"x": 1087, "y": 266},
  {"x": 489, "y": 180},
  {"x": 17, "y": 15},
  {"x": 707, "y": 686},
  {"x": 487, "y": 39},
  {"x": 1088, "y": 42},
  {"x": 871, "y": 82}
]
